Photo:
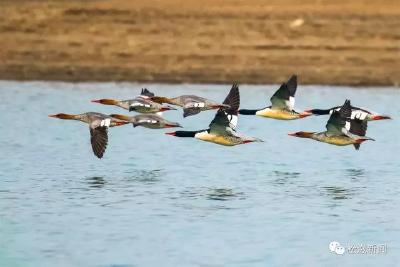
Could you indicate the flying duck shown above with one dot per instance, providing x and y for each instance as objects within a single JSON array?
[
  {"x": 152, "y": 121},
  {"x": 191, "y": 104},
  {"x": 140, "y": 104},
  {"x": 341, "y": 129},
  {"x": 98, "y": 126},
  {"x": 358, "y": 113},
  {"x": 282, "y": 107},
  {"x": 222, "y": 128}
]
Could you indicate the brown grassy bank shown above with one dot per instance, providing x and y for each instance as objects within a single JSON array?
[{"x": 326, "y": 42}]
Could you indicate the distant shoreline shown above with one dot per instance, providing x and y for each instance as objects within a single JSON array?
[{"x": 251, "y": 42}]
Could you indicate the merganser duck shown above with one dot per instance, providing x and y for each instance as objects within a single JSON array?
[
  {"x": 358, "y": 113},
  {"x": 191, "y": 104},
  {"x": 222, "y": 128},
  {"x": 341, "y": 129},
  {"x": 151, "y": 121},
  {"x": 98, "y": 126},
  {"x": 140, "y": 104},
  {"x": 282, "y": 107}
]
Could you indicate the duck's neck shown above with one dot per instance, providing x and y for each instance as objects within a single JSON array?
[
  {"x": 187, "y": 133},
  {"x": 321, "y": 111},
  {"x": 248, "y": 111}
]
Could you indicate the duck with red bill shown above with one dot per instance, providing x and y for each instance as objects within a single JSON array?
[{"x": 98, "y": 127}]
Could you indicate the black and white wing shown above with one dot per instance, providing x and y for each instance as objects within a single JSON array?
[
  {"x": 284, "y": 96},
  {"x": 226, "y": 118},
  {"x": 339, "y": 121},
  {"x": 358, "y": 128}
]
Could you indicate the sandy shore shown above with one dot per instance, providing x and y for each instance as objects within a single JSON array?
[{"x": 212, "y": 41}]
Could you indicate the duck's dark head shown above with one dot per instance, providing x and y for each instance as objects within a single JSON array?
[{"x": 302, "y": 134}]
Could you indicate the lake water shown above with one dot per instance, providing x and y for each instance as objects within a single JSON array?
[{"x": 157, "y": 200}]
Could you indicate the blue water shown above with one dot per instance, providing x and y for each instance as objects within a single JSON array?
[{"x": 157, "y": 200}]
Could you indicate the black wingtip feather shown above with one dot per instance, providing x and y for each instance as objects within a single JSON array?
[
  {"x": 146, "y": 92},
  {"x": 357, "y": 146},
  {"x": 292, "y": 85},
  {"x": 358, "y": 127},
  {"x": 233, "y": 99},
  {"x": 345, "y": 110}
]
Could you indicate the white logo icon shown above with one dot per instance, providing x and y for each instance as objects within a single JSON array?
[{"x": 335, "y": 246}]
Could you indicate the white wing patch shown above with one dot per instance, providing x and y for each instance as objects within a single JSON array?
[
  {"x": 105, "y": 122},
  {"x": 136, "y": 104},
  {"x": 199, "y": 105},
  {"x": 291, "y": 101},
  {"x": 347, "y": 125},
  {"x": 148, "y": 121},
  {"x": 358, "y": 114},
  {"x": 233, "y": 120}
]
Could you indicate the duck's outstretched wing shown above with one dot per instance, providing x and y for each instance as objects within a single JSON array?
[
  {"x": 226, "y": 118},
  {"x": 146, "y": 92},
  {"x": 98, "y": 138},
  {"x": 336, "y": 124},
  {"x": 284, "y": 96},
  {"x": 190, "y": 111}
]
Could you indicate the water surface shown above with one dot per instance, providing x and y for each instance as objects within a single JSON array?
[{"x": 156, "y": 200}]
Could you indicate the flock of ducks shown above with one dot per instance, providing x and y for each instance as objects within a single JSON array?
[{"x": 347, "y": 125}]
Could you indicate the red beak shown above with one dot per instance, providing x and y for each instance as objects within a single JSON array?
[
  {"x": 118, "y": 123},
  {"x": 292, "y": 134},
  {"x": 53, "y": 116},
  {"x": 171, "y": 126},
  {"x": 173, "y": 133},
  {"x": 95, "y": 101},
  {"x": 305, "y": 114},
  {"x": 381, "y": 117}
]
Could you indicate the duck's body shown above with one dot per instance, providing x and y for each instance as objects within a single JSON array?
[
  {"x": 356, "y": 113},
  {"x": 282, "y": 107},
  {"x": 222, "y": 128},
  {"x": 280, "y": 114},
  {"x": 141, "y": 104},
  {"x": 98, "y": 126},
  {"x": 191, "y": 104},
  {"x": 151, "y": 121},
  {"x": 338, "y": 140},
  {"x": 342, "y": 130}
]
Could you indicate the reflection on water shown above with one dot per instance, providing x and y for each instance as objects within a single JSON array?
[
  {"x": 96, "y": 181},
  {"x": 283, "y": 178},
  {"x": 145, "y": 176},
  {"x": 338, "y": 193},
  {"x": 219, "y": 194},
  {"x": 355, "y": 173},
  {"x": 223, "y": 194}
]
